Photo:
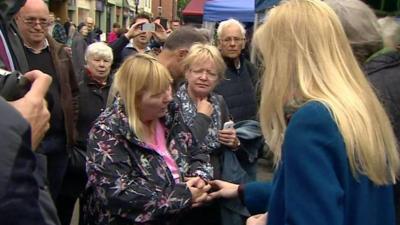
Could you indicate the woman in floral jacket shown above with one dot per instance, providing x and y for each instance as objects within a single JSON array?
[
  {"x": 137, "y": 159},
  {"x": 206, "y": 113}
]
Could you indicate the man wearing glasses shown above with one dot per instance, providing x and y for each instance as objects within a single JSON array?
[
  {"x": 238, "y": 87},
  {"x": 45, "y": 54},
  {"x": 23, "y": 200}
]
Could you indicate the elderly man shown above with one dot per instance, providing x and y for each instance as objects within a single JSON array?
[
  {"x": 94, "y": 32},
  {"x": 239, "y": 87},
  {"x": 45, "y": 54},
  {"x": 24, "y": 198}
]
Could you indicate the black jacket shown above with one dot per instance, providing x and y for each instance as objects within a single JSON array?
[
  {"x": 239, "y": 89},
  {"x": 24, "y": 198},
  {"x": 117, "y": 48},
  {"x": 92, "y": 101},
  {"x": 78, "y": 48},
  {"x": 383, "y": 71},
  {"x": 19, "y": 191}
]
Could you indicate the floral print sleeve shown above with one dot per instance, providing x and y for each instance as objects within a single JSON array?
[
  {"x": 128, "y": 182},
  {"x": 197, "y": 161}
]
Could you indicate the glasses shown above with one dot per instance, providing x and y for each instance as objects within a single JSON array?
[
  {"x": 32, "y": 21},
  {"x": 200, "y": 72},
  {"x": 229, "y": 40}
]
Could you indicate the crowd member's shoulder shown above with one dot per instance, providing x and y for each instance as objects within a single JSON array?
[
  {"x": 56, "y": 46},
  {"x": 389, "y": 60}
]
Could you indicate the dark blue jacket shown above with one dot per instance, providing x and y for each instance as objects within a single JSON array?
[
  {"x": 19, "y": 190},
  {"x": 314, "y": 183},
  {"x": 239, "y": 90}
]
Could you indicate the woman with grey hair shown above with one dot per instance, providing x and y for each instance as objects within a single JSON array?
[
  {"x": 360, "y": 25},
  {"x": 94, "y": 86},
  {"x": 381, "y": 63},
  {"x": 390, "y": 32}
]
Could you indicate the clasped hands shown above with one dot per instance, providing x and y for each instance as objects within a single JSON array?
[
  {"x": 204, "y": 192},
  {"x": 220, "y": 189}
]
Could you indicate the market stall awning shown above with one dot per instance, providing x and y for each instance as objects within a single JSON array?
[
  {"x": 194, "y": 8},
  {"x": 262, "y": 5},
  {"x": 218, "y": 10}
]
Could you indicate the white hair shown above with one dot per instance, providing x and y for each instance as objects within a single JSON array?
[
  {"x": 228, "y": 23},
  {"x": 99, "y": 49},
  {"x": 390, "y": 31}
]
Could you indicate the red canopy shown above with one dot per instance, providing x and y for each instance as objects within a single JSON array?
[{"x": 194, "y": 8}]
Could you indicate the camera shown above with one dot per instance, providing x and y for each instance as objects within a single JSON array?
[
  {"x": 149, "y": 27},
  {"x": 13, "y": 85}
]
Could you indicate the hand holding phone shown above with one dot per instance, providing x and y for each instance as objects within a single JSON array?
[
  {"x": 164, "y": 23},
  {"x": 13, "y": 85},
  {"x": 228, "y": 125},
  {"x": 149, "y": 27}
]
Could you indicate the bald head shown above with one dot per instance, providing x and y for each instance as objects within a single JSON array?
[
  {"x": 33, "y": 20},
  {"x": 89, "y": 23},
  {"x": 31, "y": 5}
]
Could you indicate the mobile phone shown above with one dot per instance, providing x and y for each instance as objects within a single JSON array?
[
  {"x": 150, "y": 27},
  {"x": 163, "y": 22},
  {"x": 229, "y": 125},
  {"x": 13, "y": 85}
]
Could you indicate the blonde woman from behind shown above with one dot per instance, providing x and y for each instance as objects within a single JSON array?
[{"x": 336, "y": 154}]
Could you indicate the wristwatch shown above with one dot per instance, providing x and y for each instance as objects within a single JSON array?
[{"x": 236, "y": 143}]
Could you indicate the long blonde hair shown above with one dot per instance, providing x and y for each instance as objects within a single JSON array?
[
  {"x": 307, "y": 57},
  {"x": 138, "y": 74}
]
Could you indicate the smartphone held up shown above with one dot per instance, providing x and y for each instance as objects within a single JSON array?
[{"x": 149, "y": 27}]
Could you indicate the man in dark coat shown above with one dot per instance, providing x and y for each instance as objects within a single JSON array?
[
  {"x": 22, "y": 200},
  {"x": 45, "y": 54},
  {"x": 239, "y": 86}
]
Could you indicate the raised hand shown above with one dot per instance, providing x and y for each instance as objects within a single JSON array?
[
  {"x": 135, "y": 30},
  {"x": 204, "y": 106},
  {"x": 160, "y": 34}
]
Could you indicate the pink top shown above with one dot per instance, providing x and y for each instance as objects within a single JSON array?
[
  {"x": 161, "y": 148},
  {"x": 112, "y": 36}
]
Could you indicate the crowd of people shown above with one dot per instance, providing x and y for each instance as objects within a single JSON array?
[{"x": 165, "y": 126}]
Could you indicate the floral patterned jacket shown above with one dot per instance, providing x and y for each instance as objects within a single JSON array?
[{"x": 130, "y": 183}]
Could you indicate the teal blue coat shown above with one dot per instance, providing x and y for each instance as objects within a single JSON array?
[{"x": 314, "y": 183}]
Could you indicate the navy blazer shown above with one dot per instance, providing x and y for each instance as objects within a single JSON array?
[{"x": 314, "y": 183}]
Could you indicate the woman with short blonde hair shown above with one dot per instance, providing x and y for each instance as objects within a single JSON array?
[
  {"x": 207, "y": 114},
  {"x": 142, "y": 169}
]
